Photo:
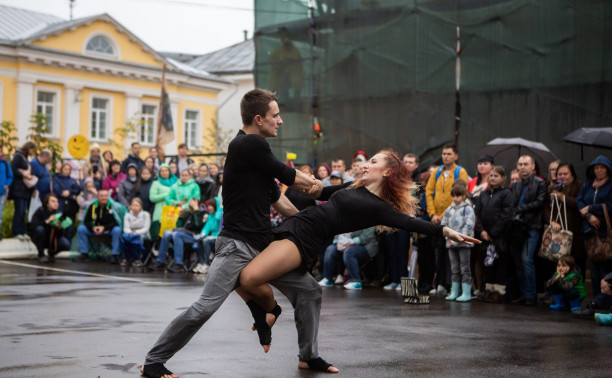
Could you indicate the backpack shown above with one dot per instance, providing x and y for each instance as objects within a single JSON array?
[{"x": 439, "y": 172}]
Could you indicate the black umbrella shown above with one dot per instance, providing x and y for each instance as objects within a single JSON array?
[
  {"x": 591, "y": 136},
  {"x": 506, "y": 151}
]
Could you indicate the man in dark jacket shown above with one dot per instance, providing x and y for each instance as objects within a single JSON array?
[
  {"x": 529, "y": 197},
  {"x": 133, "y": 158},
  {"x": 102, "y": 218},
  {"x": 182, "y": 161},
  {"x": 39, "y": 169}
]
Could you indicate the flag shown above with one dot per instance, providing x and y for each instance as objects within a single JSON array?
[{"x": 165, "y": 129}]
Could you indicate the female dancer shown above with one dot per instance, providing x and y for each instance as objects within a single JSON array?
[{"x": 382, "y": 198}]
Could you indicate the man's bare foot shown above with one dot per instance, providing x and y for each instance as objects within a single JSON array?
[
  {"x": 318, "y": 365},
  {"x": 156, "y": 370}
]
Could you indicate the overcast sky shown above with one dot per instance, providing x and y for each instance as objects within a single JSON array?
[{"x": 188, "y": 26}]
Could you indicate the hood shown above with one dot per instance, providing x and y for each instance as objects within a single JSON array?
[
  {"x": 598, "y": 160},
  {"x": 180, "y": 183}
]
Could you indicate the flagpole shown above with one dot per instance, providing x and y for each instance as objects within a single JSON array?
[{"x": 160, "y": 110}]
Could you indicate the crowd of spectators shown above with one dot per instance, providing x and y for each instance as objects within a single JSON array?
[{"x": 120, "y": 203}]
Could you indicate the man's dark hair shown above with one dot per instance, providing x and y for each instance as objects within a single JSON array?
[
  {"x": 183, "y": 145},
  {"x": 255, "y": 102},
  {"x": 451, "y": 146},
  {"x": 411, "y": 155},
  {"x": 135, "y": 143}
]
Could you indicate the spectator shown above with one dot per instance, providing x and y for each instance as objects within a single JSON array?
[
  {"x": 353, "y": 250},
  {"x": 183, "y": 190},
  {"x": 494, "y": 209},
  {"x": 133, "y": 158},
  {"x": 96, "y": 175},
  {"x": 182, "y": 161},
  {"x": 194, "y": 170},
  {"x": 107, "y": 157},
  {"x": 529, "y": 195},
  {"x": 113, "y": 178},
  {"x": 438, "y": 194},
  {"x": 552, "y": 174},
  {"x": 143, "y": 189},
  {"x": 136, "y": 225},
  {"x": 158, "y": 160},
  {"x": 411, "y": 161},
  {"x": 104, "y": 217},
  {"x": 480, "y": 182},
  {"x": 566, "y": 285},
  {"x": 514, "y": 176},
  {"x": 19, "y": 191},
  {"x": 606, "y": 289},
  {"x": 40, "y": 170},
  {"x": 157, "y": 195},
  {"x": 209, "y": 233},
  {"x": 127, "y": 187},
  {"x": 218, "y": 177},
  {"x": 206, "y": 183},
  {"x": 149, "y": 162},
  {"x": 595, "y": 192},
  {"x": 94, "y": 159},
  {"x": 460, "y": 217},
  {"x": 189, "y": 224},
  {"x": 213, "y": 169},
  {"x": 6, "y": 179},
  {"x": 66, "y": 189},
  {"x": 568, "y": 189},
  {"x": 322, "y": 171},
  {"x": 299, "y": 199},
  {"x": 355, "y": 164},
  {"x": 339, "y": 166},
  {"x": 87, "y": 196},
  {"x": 336, "y": 178},
  {"x": 48, "y": 228},
  {"x": 426, "y": 258},
  {"x": 173, "y": 169}
]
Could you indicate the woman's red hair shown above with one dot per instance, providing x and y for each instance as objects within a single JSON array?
[{"x": 397, "y": 188}]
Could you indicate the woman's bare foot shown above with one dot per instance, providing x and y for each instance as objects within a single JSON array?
[
  {"x": 157, "y": 370},
  {"x": 330, "y": 368}
]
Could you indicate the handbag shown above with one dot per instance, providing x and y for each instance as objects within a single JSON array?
[
  {"x": 32, "y": 181},
  {"x": 556, "y": 244},
  {"x": 600, "y": 249}
]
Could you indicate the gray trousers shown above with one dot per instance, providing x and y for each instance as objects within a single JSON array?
[
  {"x": 460, "y": 264},
  {"x": 231, "y": 256}
]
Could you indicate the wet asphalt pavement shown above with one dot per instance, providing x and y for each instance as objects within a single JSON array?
[{"x": 93, "y": 319}]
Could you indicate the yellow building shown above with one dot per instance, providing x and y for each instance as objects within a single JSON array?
[{"x": 91, "y": 76}]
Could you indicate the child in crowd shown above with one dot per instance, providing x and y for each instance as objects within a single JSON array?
[
  {"x": 127, "y": 187},
  {"x": 460, "y": 217},
  {"x": 136, "y": 225},
  {"x": 87, "y": 196},
  {"x": 566, "y": 285}
]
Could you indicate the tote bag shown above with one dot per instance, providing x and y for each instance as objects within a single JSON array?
[
  {"x": 556, "y": 244},
  {"x": 170, "y": 214}
]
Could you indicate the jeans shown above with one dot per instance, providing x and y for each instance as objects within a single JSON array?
[
  {"x": 164, "y": 245},
  {"x": 133, "y": 246},
  {"x": 460, "y": 264},
  {"x": 180, "y": 239},
  {"x": 41, "y": 239},
  {"x": 354, "y": 256},
  {"x": 19, "y": 219},
  {"x": 330, "y": 263},
  {"x": 83, "y": 233},
  {"x": 525, "y": 264},
  {"x": 398, "y": 245},
  {"x": 231, "y": 256},
  {"x": 598, "y": 272},
  {"x": 206, "y": 249}
]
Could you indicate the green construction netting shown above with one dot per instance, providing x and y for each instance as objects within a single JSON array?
[{"x": 385, "y": 73}]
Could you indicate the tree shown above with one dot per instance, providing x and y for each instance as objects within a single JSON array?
[
  {"x": 8, "y": 138},
  {"x": 40, "y": 127},
  {"x": 130, "y": 131}
]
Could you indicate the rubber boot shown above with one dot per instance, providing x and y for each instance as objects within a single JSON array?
[
  {"x": 454, "y": 292},
  {"x": 466, "y": 293},
  {"x": 575, "y": 304},
  {"x": 559, "y": 302}
]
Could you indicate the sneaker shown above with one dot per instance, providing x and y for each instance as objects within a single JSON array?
[
  {"x": 176, "y": 268},
  {"x": 124, "y": 262},
  {"x": 137, "y": 263},
  {"x": 433, "y": 292},
  {"x": 441, "y": 291},
  {"x": 391, "y": 286},
  {"x": 353, "y": 286},
  {"x": 114, "y": 260},
  {"x": 157, "y": 265},
  {"x": 196, "y": 269},
  {"x": 478, "y": 293},
  {"x": 398, "y": 287},
  {"x": 325, "y": 282},
  {"x": 83, "y": 257},
  {"x": 339, "y": 279},
  {"x": 605, "y": 319},
  {"x": 204, "y": 268},
  {"x": 43, "y": 259}
]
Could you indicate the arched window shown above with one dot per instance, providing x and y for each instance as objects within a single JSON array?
[{"x": 100, "y": 45}]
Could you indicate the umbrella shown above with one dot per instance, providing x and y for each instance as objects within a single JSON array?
[
  {"x": 591, "y": 136},
  {"x": 506, "y": 152}
]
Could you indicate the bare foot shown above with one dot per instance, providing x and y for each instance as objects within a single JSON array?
[{"x": 304, "y": 365}]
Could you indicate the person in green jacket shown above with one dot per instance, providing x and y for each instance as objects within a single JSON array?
[
  {"x": 184, "y": 190},
  {"x": 158, "y": 193},
  {"x": 566, "y": 285},
  {"x": 209, "y": 233}
]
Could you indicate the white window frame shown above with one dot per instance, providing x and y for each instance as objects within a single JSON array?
[
  {"x": 154, "y": 117},
  {"x": 56, "y": 108},
  {"x": 116, "y": 52},
  {"x": 109, "y": 118},
  {"x": 198, "y": 128}
]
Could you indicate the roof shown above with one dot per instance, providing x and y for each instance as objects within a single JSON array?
[
  {"x": 238, "y": 58},
  {"x": 21, "y": 27}
]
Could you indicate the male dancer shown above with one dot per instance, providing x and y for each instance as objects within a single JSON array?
[{"x": 248, "y": 190}]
